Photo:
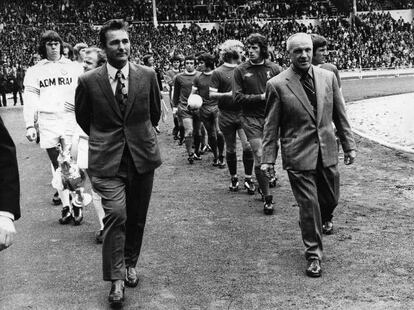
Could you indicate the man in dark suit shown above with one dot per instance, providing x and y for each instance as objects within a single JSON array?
[
  {"x": 118, "y": 105},
  {"x": 9, "y": 188},
  {"x": 302, "y": 103}
]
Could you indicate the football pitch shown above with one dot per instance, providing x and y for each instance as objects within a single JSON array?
[{"x": 207, "y": 248}]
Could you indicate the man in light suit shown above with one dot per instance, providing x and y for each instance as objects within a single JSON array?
[
  {"x": 9, "y": 188},
  {"x": 301, "y": 104},
  {"x": 118, "y": 105}
]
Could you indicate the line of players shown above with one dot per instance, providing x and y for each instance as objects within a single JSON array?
[{"x": 233, "y": 105}]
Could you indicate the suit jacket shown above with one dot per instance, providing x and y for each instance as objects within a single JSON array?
[
  {"x": 9, "y": 174},
  {"x": 302, "y": 134},
  {"x": 99, "y": 115}
]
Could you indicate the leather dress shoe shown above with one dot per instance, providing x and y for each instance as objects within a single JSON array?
[
  {"x": 314, "y": 269},
  {"x": 327, "y": 228},
  {"x": 131, "y": 278},
  {"x": 116, "y": 295}
]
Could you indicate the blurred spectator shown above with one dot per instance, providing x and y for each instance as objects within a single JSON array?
[
  {"x": 67, "y": 50},
  {"x": 3, "y": 85},
  {"x": 19, "y": 77}
]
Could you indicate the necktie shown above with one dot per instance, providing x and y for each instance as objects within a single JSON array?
[
  {"x": 121, "y": 94},
  {"x": 307, "y": 84}
]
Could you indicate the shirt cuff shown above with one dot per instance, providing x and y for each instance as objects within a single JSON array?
[{"x": 7, "y": 214}]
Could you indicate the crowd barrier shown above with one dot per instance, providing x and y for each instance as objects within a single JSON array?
[{"x": 374, "y": 73}]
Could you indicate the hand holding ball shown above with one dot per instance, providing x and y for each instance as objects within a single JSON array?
[{"x": 194, "y": 102}]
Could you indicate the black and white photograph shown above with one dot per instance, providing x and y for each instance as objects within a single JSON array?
[{"x": 206, "y": 155}]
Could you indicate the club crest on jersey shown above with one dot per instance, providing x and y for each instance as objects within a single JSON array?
[
  {"x": 248, "y": 74},
  {"x": 64, "y": 72}
]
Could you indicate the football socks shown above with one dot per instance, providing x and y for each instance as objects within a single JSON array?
[
  {"x": 232, "y": 162},
  {"x": 262, "y": 180},
  {"x": 248, "y": 162}
]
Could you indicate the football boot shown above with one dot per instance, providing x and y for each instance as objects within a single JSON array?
[
  {"x": 234, "y": 185},
  {"x": 249, "y": 186},
  {"x": 66, "y": 216},
  {"x": 268, "y": 205}
]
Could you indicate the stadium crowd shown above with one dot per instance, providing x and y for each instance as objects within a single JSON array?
[
  {"x": 41, "y": 12},
  {"x": 371, "y": 5},
  {"x": 376, "y": 40},
  {"x": 97, "y": 12}
]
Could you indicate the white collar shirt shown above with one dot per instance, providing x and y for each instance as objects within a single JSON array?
[{"x": 112, "y": 76}]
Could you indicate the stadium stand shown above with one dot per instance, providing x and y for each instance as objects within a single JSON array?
[
  {"x": 376, "y": 40},
  {"x": 372, "y": 5},
  {"x": 95, "y": 12}
]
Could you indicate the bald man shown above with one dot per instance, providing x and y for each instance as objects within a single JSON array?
[{"x": 301, "y": 104}]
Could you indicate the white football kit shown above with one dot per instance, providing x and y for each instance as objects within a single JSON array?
[{"x": 48, "y": 85}]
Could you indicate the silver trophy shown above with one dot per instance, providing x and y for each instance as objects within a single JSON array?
[{"x": 69, "y": 176}]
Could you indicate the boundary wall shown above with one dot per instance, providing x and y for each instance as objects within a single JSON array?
[{"x": 377, "y": 73}]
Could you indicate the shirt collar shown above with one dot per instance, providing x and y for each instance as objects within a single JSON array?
[
  {"x": 190, "y": 73},
  {"x": 230, "y": 65},
  {"x": 112, "y": 71},
  {"x": 298, "y": 72},
  {"x": 257, "y": 64},
  {"x": 62, "y": 59}
]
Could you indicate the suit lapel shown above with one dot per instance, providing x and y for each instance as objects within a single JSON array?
[
  {"x": 317, "y": 79},
  {"x": 133, "y": 82},
  {"x": 296, "y": 87},
  {"x": 104, "y": 84}
]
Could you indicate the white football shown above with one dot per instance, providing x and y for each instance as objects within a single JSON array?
[{"x": 195, "y": 101}]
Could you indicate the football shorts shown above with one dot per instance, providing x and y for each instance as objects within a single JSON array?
[
  {"x": 253, "y": 126},
  {"x": 229, "y": 121}
]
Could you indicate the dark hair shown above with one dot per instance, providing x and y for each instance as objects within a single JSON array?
[
  {"x": 113, "y": 24},
  {"x": 257, "y": 38},
  {"x": 175, "y": 58},
  {"x": 208, "y": 60},
  {"x": 318, "y": 41},
  {"x": 146, "y": 58},
  {"x": 67, "y": 45},
  {"x": 49, "y": 36},
  {"x": 230, "y": 55},
  {"x": 190, "y": 57},
  {"x": 99, "y": 52}
]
